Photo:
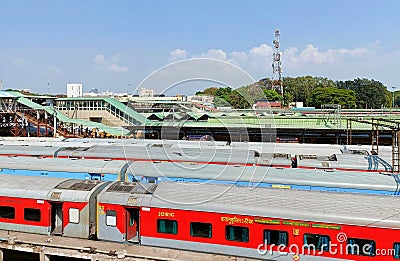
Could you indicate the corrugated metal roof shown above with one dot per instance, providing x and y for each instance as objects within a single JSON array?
[
  {"x": 341, "y": 208},
  {"x": 158, "y": 115}
]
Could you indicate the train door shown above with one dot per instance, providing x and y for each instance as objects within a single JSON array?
[
  {"x": 132, "y": 224},
  {"x": 56, "y": 219},
  {"x": 151, "y": 180},
  {"x": 95, "y": 176}
]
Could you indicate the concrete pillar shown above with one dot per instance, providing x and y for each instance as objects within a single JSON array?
[{"x": 44, "y": 257}]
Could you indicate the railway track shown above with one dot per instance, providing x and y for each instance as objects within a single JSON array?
[{"x": 24, "y": 246}]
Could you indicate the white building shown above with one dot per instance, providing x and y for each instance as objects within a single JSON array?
[
  {"x": 146, "y": 92},
  {"x": 202, "y": 99},
  {"x": 74, "y": 90}
]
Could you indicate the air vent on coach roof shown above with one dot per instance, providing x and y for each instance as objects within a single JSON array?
[
  {"x": 133, "y": 188},
  {"x": 73, "y": 184}
]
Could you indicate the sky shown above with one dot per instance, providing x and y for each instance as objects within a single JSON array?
[{"x": 183, "y": 46}]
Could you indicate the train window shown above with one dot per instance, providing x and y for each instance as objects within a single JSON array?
[
  {"x": 236, "y": 233},
  {"x": 361, "y": 247},
  {"x": 317, "y": 242},
  {"x": 198, "y": 229},
  {"x": 396, "y": 248},
  {"x": 32, "y": 214},
  {"x": 167, "y": 226},
  {"x": 7, "y": 212},
  {"x": 73, "y": 214},
  {"x": 111, "y": 218},
  {"x": 275, "y": 237}
]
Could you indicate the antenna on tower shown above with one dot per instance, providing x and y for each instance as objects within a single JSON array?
[{"x": 277, "y": 65}]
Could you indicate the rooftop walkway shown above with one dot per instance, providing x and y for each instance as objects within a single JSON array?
[{"x": 78, "y": 122}]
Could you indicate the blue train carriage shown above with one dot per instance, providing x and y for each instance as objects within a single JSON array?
[
  {"x": 275, "y": 159},
  {"x": 49, "y": 205},
  {"x": 250, "y": 176},
  {"x": 65, "y": 168},
  {"x": 364, "y": 162}
]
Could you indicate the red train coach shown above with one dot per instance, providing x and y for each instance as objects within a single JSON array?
[
  {"x": 274, "y": 224},
  {"x": 262, "y": 223},
  {"x": 118, "y": 210},
  {"x": 49, "y": 205}
]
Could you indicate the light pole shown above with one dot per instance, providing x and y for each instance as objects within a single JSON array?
[{"x": 393, "y": 97}]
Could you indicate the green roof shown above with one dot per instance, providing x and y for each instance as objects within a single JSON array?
[
  {"x": 61, "y": 117},
  {"x": 159, "y": 115},
  {"x": 127, "y": 110},
  {"x": 138, "y": 118},
  {"x": 30, "y": 104}
]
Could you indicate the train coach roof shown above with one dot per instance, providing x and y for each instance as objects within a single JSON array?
[
  {"x": 34, "y": 150},
  {"x": 62, "y": 164},
  {"x": 164, "y": 153},
  {"x": 340, "y": 208},
  {"x": 27, "y": 187},
  {"x": 279, "y": 176},
  {"x": 74, "y": 190},
  {"x": 121, "y": 192}
]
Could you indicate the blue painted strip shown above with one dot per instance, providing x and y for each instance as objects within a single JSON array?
[{"x": 269, "y": 185}]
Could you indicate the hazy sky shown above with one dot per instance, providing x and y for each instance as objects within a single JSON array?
[{"x": 116, "y": 44}]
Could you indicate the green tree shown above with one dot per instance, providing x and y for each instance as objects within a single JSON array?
[
  {"x": 300, "y": 88},
  {"x": 238, "y": 101},
  {"x": 272, "y": 95},
  {"x": 396, "y": 100},
  {"x": 223, "y": 93},
  {"x": 209, "y": 91},
  {"x": 369, "y": 93},
  {"x": 332, "y": 95}
]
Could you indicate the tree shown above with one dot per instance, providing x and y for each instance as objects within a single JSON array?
[
  {"x": 300, "y": 88},
  {"x": 209, "y": 91},
  {"x": 396, "y": 99},
  {"x": 332, "y": 95},
  {"x": 223, "y": 93},
  {"x": 369, "y": 93},
  {"x": 272, "y": 95},
  {"x": 221, "y": 96},
  {"x": 238, "y": 101}
]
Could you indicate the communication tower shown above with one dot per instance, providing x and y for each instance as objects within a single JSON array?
[{"x": 277, "y": 65}]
